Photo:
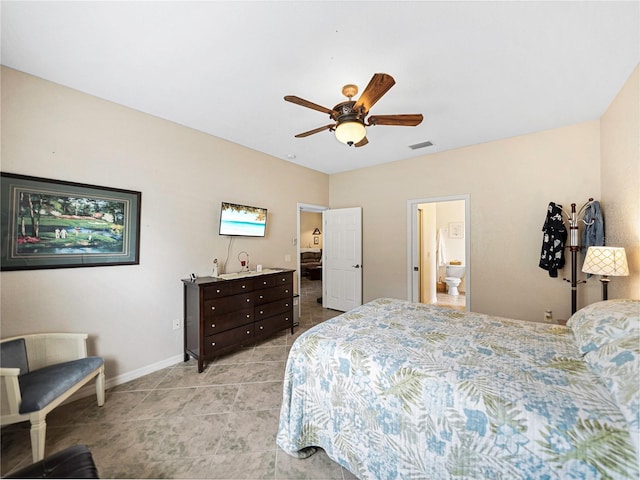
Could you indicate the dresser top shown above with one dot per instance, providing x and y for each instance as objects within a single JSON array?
[{"x": 236, "y": 276}]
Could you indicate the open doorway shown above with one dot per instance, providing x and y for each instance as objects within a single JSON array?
[
  {"x": 439, "y": 243},
  {"x": 310, "y": 273}
]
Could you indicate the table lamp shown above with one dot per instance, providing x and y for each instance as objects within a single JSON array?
[{"x": 608, "y": 262}]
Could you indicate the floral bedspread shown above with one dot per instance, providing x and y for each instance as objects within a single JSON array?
[{"x": 398, "y": 390}]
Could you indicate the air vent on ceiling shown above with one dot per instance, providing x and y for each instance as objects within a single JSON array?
[{"x": 420, "y": 145}]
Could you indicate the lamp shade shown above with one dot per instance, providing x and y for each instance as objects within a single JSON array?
[
  {"x": 610, "y": 261},
  {"x": 350, "y": 132}
]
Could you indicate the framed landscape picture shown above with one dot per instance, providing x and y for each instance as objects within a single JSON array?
[{"x": 57, "y": 224}]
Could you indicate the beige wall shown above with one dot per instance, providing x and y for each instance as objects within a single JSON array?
[
  {"x": 510, "y": 183},
  {"x": 309, "y": 221},
  {"x": 55, "y": 132},
  {"x": 620, "y": 171}
]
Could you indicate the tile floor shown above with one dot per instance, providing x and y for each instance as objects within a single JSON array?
[
  {"x": 176, "y": 423},
  {"x": 457, "y": 302}
]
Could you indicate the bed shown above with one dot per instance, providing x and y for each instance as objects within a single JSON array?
[{"x": 398, "y": 390}]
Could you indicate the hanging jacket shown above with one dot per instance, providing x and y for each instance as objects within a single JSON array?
[
  {"x": 553, "y": 240},
  {"x": 593, "y": 232}
]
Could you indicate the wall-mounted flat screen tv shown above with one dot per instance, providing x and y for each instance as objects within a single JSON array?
[{"x": 242, "y": 220}]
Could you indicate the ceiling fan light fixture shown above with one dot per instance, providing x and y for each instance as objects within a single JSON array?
[{"x": 350, "y": 132}]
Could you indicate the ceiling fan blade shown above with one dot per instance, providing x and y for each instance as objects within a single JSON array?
[
  {"x": 362, "y": 142},
  {"x": 315, "y": 130},
  {"x": 379, "y": 84},
  {"x": 306, "y": 103},
  {"x": 408, "y": 120}
]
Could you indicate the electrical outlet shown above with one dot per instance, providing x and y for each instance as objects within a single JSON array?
[
  {"x": 177, "y": 323},
  {"x": 287, "y": 258}
]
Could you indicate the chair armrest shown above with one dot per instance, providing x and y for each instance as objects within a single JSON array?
[
  {"x": 44, "y": 349},
  {"x": 10, "y": 395}
]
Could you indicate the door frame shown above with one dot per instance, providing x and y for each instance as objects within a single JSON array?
[{"x": 412, "y": 242}]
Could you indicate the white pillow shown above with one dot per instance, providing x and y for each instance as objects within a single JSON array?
[{"x": 603, "y": 322}]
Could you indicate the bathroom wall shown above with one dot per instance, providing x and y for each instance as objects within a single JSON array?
[{"x": 447, "y": 213}]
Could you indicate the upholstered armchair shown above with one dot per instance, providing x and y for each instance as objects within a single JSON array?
[{"x": 40, "y": 371}]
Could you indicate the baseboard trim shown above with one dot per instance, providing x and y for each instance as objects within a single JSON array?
[{"x": 90, "y": 389}]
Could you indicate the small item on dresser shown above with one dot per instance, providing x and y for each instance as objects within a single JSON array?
[
  {"x": 548, "y": 316},
  {"x": 193, "y": 277},
  {"x": 215, "y": 267}
]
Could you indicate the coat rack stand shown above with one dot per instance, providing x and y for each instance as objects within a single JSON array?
[{"x": 574, "y": 247}]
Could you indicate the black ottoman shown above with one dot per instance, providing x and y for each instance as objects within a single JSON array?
[
  {"x": 315, "y": 273},
  {"x": 72, "y": 462}
]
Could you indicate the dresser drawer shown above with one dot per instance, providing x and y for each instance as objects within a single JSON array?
[
  {"x": 224, "y": 321},
  {"x": 219, "y": 306},
  {"x": 283, "y": 279},
  {"x": 273, "y": 308},
  {"x": 267, "y": 281},
  {"x": 272, "y": 294},
  {"x": 236, "y": 336},
  {"x": 220, "y": 289},
  {"x": 273, "y": 280},
  {"x": 274, "y": 324},
  {"x": 242, "y": 285}
]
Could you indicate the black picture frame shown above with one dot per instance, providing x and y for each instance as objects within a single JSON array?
[{"x": 50, "y": 223}]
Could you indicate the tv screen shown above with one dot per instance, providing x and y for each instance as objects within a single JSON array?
[{"x": 242, "y": 220}]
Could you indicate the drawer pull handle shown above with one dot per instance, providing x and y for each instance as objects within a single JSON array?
[
  {"x": 261, "y": 312},
  {"x": 264, "y": 283},
  {"x": 286, "y": 304},
  {"x": 286, "y": 291},
  {"x": 286, "y": 319},
  {"x": 248, "y": 315},
  {"x": 261, "y": 297},
  {"x": 213, "y": 308},
  {"x": 248, "y": 300},
  {"x": 248, "y": 332},
  {"x": 261, "y": 327},
  {"x": 244, "y": 286},
  {"x": 213, "y": 344},
  {"x": 213, "y": 325},
  {"x": 218, "y": 291}
]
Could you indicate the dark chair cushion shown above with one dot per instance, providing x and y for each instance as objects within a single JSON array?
[
  {"x": 40, "y": 387},
  {"x": 13, "y": 354},
  {"x": 72, "y": 462}
]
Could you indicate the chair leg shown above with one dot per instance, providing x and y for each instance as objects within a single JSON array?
[
  {"x": 100, "y": 387},
  {"x": 38, "y": 434}
]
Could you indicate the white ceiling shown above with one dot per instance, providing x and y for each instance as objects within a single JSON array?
[{"x": 477, "y": 71}]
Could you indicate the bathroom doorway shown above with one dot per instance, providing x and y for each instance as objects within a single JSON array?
[{"x": 439, "y": 237}]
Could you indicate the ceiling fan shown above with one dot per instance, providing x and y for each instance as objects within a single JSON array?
[{"x": 350, "y": 117}]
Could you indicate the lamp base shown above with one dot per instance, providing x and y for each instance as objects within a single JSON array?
[{"x": 605, "y": 283}]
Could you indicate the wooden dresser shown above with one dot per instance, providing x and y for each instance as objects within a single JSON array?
[{"x": 223, "y": 315}]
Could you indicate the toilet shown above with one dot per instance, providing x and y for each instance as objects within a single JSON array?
[{"x": 453, "y": 278}]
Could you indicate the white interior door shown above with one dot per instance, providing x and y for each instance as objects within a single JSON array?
[{"x": 342, "y": 258}]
